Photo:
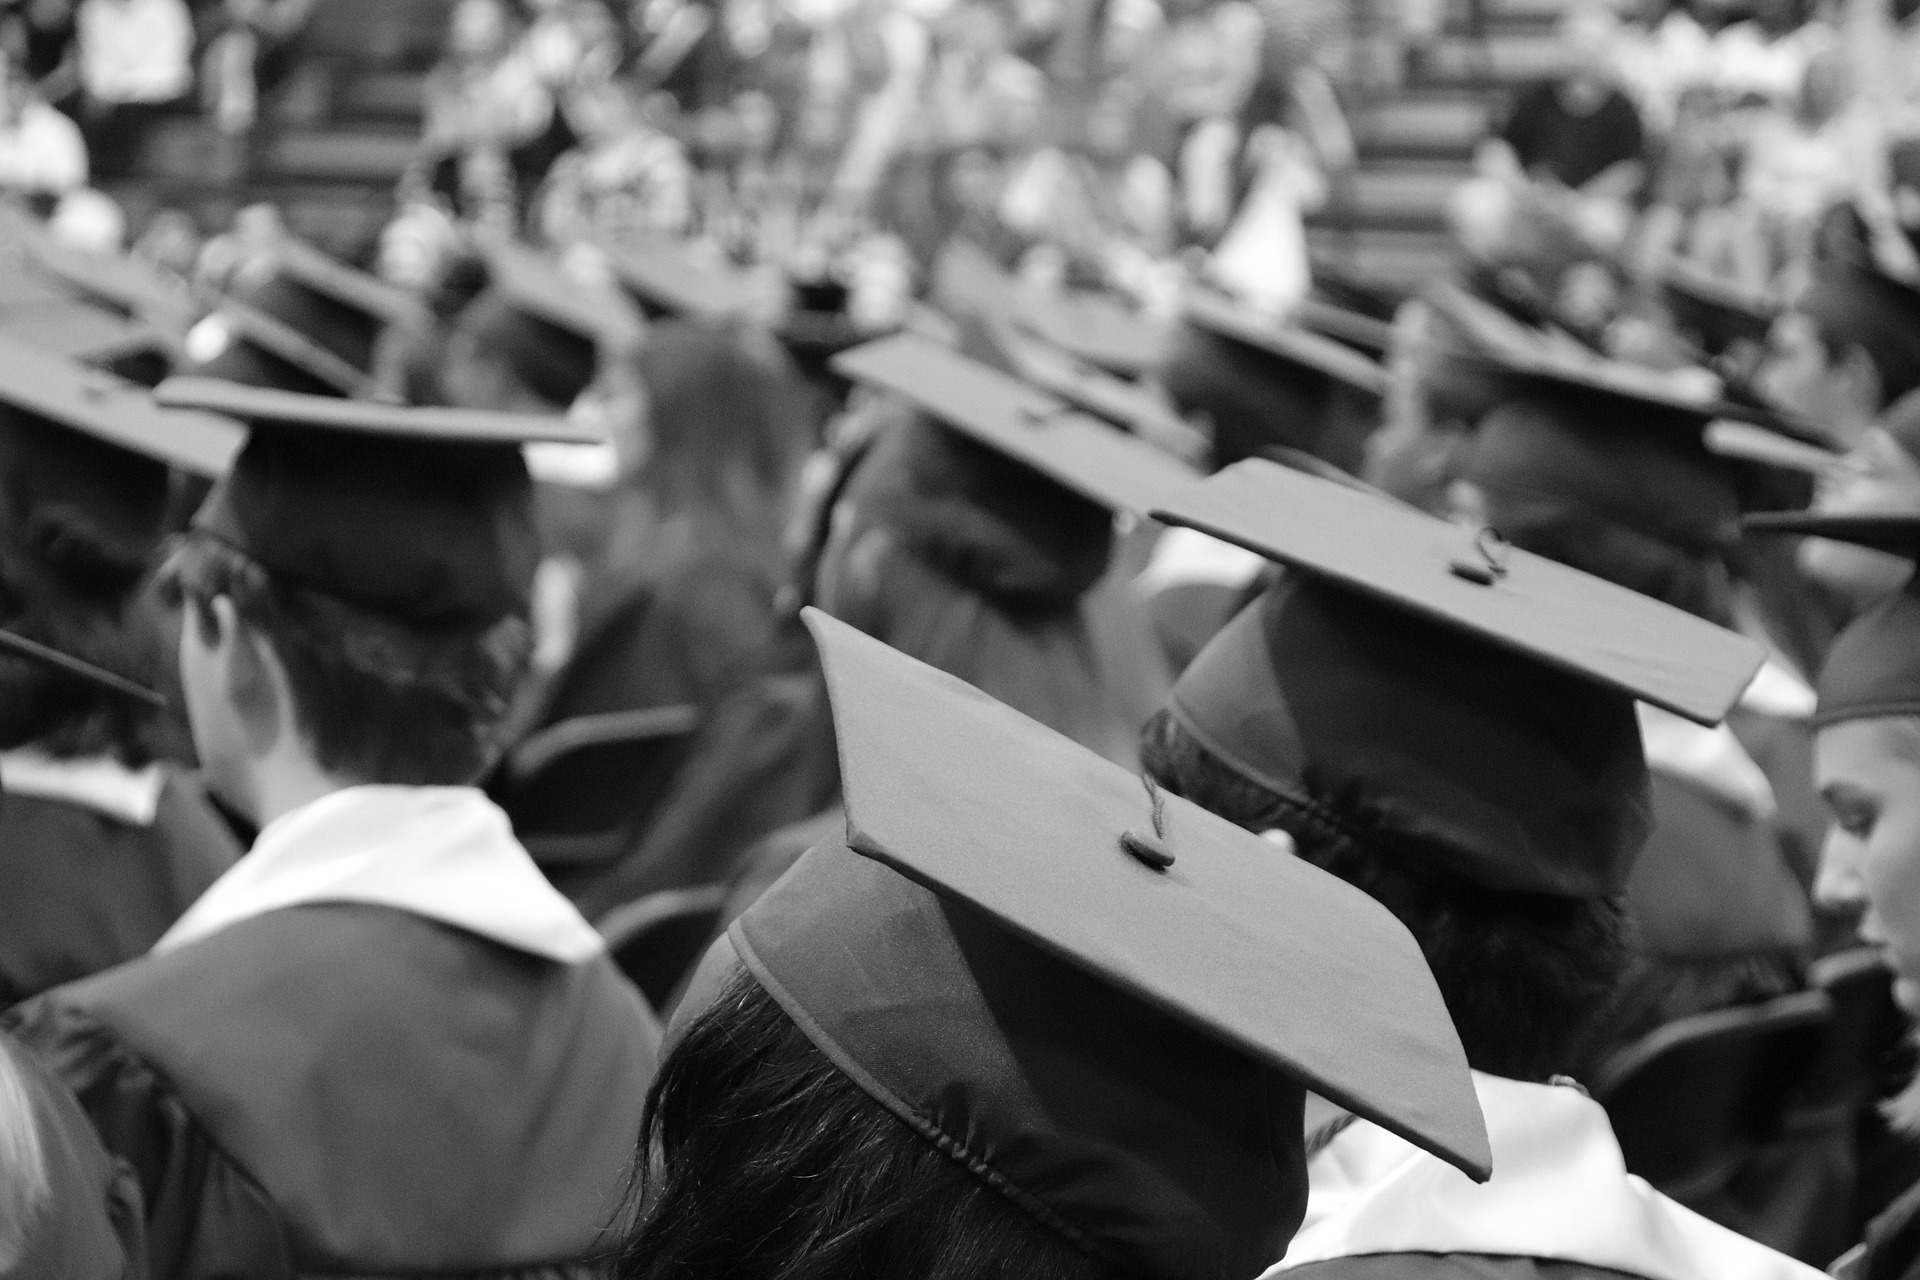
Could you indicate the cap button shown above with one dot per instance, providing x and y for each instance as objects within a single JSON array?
[{"x": 1147, "y": 849}]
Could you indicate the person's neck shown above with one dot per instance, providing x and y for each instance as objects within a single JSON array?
[{"x": 286, "y": 781}]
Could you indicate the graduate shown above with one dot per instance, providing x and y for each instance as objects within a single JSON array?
[
  {"x": 974, "y": 530},
  {"x": 1023, "y": 1016},
  {"x": 67, "y": 1208},
  {"x": 1880, "y": 475},
  {"x": 1867, "y": 763},
  {"x": 380, "y": 1043},
  {"x": 103, "y": 843},
  {"x": 1848, "y": 347},
  {"x": 1448, "y": 723}
]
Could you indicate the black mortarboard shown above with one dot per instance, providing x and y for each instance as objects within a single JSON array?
[
  {"x": 1105, "y": 1005},
  {"x": 1096, "y": 328},
  {"x": 129, "y": 286},
  {"x": 669, "y": 280},
  {"x": 88, "y": 334},
  {"x": 1601, "y": 438},
  {"x": 335, "y": 307},
  {"x": 244, "y": 344},
  {"x": 1471, "y": 696},
  {"x": 1854, "y": 303},
  {"x": 1872, "y": 668},
  {"x": 1312, "y": 353},
  {"x": 549, "y": 326},
  {"x": 1024, "y": 423},
  {"x": 418, "y": 515}
]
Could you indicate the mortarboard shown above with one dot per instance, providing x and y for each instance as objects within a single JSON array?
[
  {"x": 548, "y": 325},
  {"x": 419, "y": 515},
  {"x": 15, "y": 645},
  {"x": 1105, "y": 1004},
  {"x": 1872, "y": 669},
  {"x": 1022, "y": 422},
  {"x": 133, "y": 288},
  {"x": 99, "y": 405},
  {"x": 1312, "y": 353},
  {"x": 669, "y": 280},
  {"x": 80, "y": 331},
  {"x": 244, "y": 344},
  {"x": 1095, "y": 328},
  {"x": 1476, "y": 698}
]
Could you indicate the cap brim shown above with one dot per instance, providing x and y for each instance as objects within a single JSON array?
[
  {"x": 1262, "y": 952},
  {"x": 120, "y": 282},
  {"x": 267, "y": 407},
  {"x": 368, "y": 294},
  {"x": 1097, "y": 329},
  {"x": 103, "y": 406},
  {"x": 284, "y": 342},
  {"x": 1023, "y": 422},
  {"x": 1898, "y": 534},
  {"x": 1556, "y": 615}
]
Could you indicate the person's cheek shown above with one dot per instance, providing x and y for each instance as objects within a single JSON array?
[{"x": 1891, "y": 872}]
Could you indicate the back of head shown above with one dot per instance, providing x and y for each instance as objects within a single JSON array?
[
  {"x": 1853, "y": 304},
  {"x": 768, "y": 1162},
  {"x": 727, "y": 422},
  {"x": 541, "y": 360},
  {"x": 1629, "y": 503},
  {"x": 79, "y": 521},
  {"x": 977, "y": 565},
  {"x": 1256, "y": 402}
]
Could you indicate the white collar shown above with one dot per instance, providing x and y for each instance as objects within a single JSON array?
[
  {"x": 1560, "y": 1190},
  {"x": 100, "y": 783},
  {"x": 446, "y": 853}
]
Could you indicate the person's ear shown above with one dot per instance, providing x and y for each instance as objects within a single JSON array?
[{"x": 251, "y": 677}]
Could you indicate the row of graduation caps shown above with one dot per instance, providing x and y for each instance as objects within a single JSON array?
[{"x": 951, "y": 797}]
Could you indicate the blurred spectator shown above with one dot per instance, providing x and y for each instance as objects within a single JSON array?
[
  {"x": 626, "y": 178},
  {"x": 1577, "y": 130},
  {"x": 134, "y": 58},
  {"x": 42, "y": 153},
  {"x": 254, "y": 45}
]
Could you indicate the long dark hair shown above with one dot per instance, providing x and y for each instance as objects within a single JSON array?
[
  {"x": 759, "y": 1160},
  {"x": 1522, "y": 974}
]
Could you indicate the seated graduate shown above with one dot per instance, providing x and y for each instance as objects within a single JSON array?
[
  {"x": 381, "y": 1043},
  {"x": 67, "y": 1208},
  {"x": 1023, "y": 1017},
  {"x": 102, "y": 843},
  {"x": 971, "y": 528},
  {"x": 1879, "y": 476},
  {"x": 1618, "y": 481},
  {"x": 1848, "y": 347},
  {"x": 1867, "y": 764},
  {"x": 1450, "y": 726}
]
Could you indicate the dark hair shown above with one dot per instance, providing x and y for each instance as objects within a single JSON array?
[
  {"x": 377, "y": 700},
  {"x": 1521, "y": 973},
  {"x": 1699, "y": 582},
  {"x": 759, "y": 1160}
]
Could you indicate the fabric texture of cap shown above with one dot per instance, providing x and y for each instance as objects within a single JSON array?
[
  {"x": 1115, "y": 1041},
  {"x": 1029, "y": 425},
  {"x": 1872, "y": 669},
  {"x": 1453, "y": 691},
  {"x": 423, "y": 516}
]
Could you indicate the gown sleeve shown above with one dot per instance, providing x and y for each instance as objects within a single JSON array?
[{"x": 206, "y": 1218}]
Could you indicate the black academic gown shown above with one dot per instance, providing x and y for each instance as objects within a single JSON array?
[
  {"x": 81, "y": 891},
  {"x": 354, "y": 1090},
  {"x": 88, "y": 1225}
]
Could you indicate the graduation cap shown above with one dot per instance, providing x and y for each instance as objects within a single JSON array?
[
  {"x": 1477, "y": 698},
  {"x": 1022, "y": 422},
  {"x": 96, "y": 404},
  {"x": 1872, "y": 669},
  {"x": 549, "y": 326},
  {"x": 133, "y": 288},
  {"x": 1310, "y": 352},
  {"x": 1096, "y": 328},
  {"x": 1104, "y": 1004},
  {"x": 422, "y": 516},
  {"x": 669, "y": 280},
  {"x": 13, "y": 644},
  {"x": 242, "y": 343},
  {"x": 85, "y": 333}
]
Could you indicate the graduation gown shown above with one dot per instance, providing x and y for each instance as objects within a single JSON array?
[
  {"x": 1560, "y": 1204},
  {"x": 345, "y": 1061},
  {"x": 87, "y": 1225},
  {"x": 96, "y": 861}
]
